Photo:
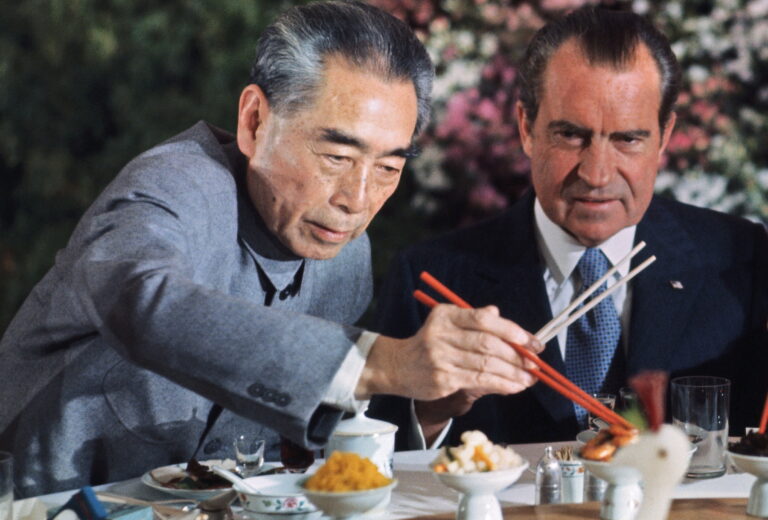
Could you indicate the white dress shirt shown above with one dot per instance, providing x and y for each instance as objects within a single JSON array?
[{"x": 561, "y": 252}]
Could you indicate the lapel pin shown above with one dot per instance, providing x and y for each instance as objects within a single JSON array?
[{"x": 676, "y": 284}]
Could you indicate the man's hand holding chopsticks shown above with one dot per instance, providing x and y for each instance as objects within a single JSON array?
[{"x": 455, "y": 350}]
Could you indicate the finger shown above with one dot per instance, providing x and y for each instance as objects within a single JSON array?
[
  {"x": 487, "y": 319},
  {"x": 491, "y": 383},
  {"x": 484, "y": 343},
  {"x": 488, "y": 360}
]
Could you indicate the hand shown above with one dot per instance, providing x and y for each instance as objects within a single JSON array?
[{"x": 456, "y": 349}]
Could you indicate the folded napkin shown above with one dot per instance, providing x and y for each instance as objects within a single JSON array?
[{"x": 29, "y": 509}]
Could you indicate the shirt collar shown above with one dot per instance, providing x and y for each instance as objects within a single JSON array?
[{"x": 562, "y": 252}]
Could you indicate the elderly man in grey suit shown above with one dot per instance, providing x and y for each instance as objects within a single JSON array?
[{"x": 221, "y": 271}]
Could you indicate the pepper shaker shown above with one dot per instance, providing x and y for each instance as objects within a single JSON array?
[{"x": 549, "y": 479}]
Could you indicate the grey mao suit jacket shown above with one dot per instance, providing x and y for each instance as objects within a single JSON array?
[{"x": 155, "y": 310}]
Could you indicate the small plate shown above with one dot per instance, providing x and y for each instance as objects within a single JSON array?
[{"x": 193, "y": 494}]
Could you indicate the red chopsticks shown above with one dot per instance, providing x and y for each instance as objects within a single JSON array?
[
  {"x": 545, "y": 372},
  {"x": 764, "y": 418}
]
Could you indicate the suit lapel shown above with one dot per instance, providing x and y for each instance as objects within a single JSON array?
[
  {"x": 663, "y": 294},
  {"x": 512, "y": 279}
]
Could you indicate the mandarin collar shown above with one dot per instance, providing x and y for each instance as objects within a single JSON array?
[{"x": 279, "y": 264}]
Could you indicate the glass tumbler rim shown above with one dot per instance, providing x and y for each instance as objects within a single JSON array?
[{"x": 701, "y": 381}]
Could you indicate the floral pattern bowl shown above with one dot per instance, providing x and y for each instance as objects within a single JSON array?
[{"x": 281, "y": 493}]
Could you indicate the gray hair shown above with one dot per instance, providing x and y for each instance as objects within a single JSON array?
[
  {"x": 606, "y": 37},
  {"x": 290, "y": 53}
]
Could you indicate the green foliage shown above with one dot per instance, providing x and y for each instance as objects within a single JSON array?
[{"x": 86, "y": 85}]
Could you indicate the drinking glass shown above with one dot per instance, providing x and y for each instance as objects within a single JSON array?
[
  {"x": 249, "y": 454},
  {"x": 608, "y": 400},
  {"x": 6, "y": 486},
  {"x": 627, "y": 398},
  {"x": 700, "y": 408},
  {"x": 295, "y": 458}
]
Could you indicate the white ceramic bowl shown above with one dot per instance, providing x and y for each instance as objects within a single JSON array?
[
  {"x": 586, "y": 435},
  {"x": 347, "y": 504},
  {"x": 484, "y": 481},
  {"x": 478, "y": 491},
  {"x": 758, "y": 495},
  {"x": 281, "y": 493},
  {"x": 612, "y": 473}
]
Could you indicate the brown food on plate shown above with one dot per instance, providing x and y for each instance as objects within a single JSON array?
[
  {"x": 602, "y": 446},
  {"x": 197, "y": 476},
  {"x": 753, "y": 443}
]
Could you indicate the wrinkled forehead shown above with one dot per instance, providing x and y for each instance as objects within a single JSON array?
[
  {"x": 572, "y": 55},
  {"x": 571, "y": 72}
]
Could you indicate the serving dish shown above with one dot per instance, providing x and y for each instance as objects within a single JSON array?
[{"x": 349, "y": 504}]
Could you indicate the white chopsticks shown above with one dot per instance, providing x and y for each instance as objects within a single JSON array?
[{"x": 562, "y": 320}]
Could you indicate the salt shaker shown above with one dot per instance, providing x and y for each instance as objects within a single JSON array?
[{"x": 549, "y": 479}]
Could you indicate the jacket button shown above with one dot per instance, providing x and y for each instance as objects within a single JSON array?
[
  {"x": 285, "y": 293},
  {"x": 256, "y": 390},
  {"x": 283, "y": 399},
  {"x": 212, "y": 446}
]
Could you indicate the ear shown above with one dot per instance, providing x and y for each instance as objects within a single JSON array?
[
  {"x": 252, "y": 112},
  {"x": 524, "y": 127},
  {"x": 667, "y": 132}
]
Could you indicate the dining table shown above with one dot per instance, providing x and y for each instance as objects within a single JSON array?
[{"x": 420, "y": 495}]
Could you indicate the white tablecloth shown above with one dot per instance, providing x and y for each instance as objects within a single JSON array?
[{"x": 420, "y": 493}]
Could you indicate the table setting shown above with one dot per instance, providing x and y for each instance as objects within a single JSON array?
[
  {"x": 649, "y": 470},
  {"x": 419, "y": 494}
]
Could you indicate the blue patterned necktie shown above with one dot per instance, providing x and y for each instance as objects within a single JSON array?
[{"x": 593, "y": 338}]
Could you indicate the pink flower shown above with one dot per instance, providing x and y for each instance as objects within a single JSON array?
[
  {"x": 679, "y": 142},
  {"x": 485, "y": 197},
  {"x": 704, "y": 110},
  {"x": 488, "y": 110}
]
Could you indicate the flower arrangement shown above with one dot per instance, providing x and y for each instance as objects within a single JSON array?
[{"x": 472, "y": 164}]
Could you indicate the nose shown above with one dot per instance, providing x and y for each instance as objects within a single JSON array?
[
  {"x": 351, "y": 193},
  {"x": 596, "y": 167}
]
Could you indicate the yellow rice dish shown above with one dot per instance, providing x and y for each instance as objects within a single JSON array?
[{"x": 346, "y": 472}]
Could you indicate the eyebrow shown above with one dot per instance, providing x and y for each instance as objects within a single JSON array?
[
  {"x": 333, "y": 135},
  {"x": 633, "y": 134},
  {"x": 562, "y": 124}
]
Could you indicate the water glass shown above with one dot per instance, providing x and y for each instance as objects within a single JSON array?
[
  {"x": 627, "y": 399},
  {"x": 608, "y": 400},
  {"x": 249, "y": 455},
  {"x": 700, "y": 407},
  {"x": 6, "y": 485}
]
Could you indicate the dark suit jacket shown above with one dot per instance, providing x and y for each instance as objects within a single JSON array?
[{"x": 715, "y": 325}]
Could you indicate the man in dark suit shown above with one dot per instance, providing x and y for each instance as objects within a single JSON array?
[{"x": 595, "y": 115}]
